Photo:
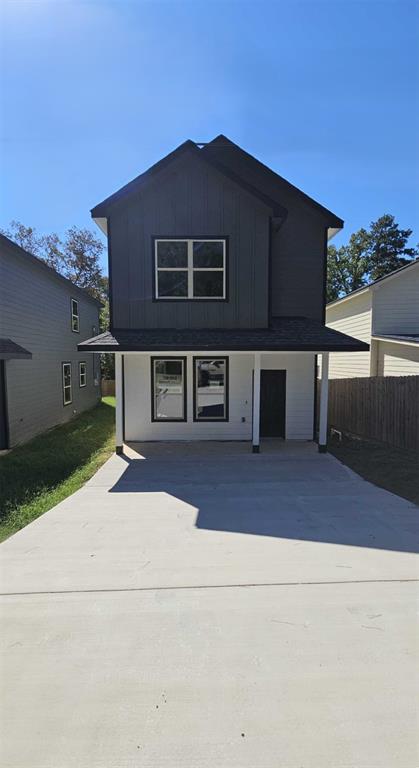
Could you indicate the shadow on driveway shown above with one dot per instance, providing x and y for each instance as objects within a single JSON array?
[{"x": 287, "y": 491}]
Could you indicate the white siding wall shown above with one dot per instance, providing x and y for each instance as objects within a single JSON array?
[
  {"x": 397, "y": 359},
  {"x": 396, "y": 304},
  {"x": 354, "y": 318},
  {"x": 299, "y": 399}
]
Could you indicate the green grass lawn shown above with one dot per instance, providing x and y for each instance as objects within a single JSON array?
[
  {"x": 39, "y": 474},
  {"x": 390, "y": 468}
]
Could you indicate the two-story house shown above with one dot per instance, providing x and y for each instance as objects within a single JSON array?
[
  {"x": 44, "y": 380},
  {"x": 217, "y": 271},
  {"x": 384, "y": 314}
]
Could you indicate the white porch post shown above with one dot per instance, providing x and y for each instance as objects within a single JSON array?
[
  {"x": 256, "y": 403},
  {"x": 119, "y": 432},
  {"x": 324, "y": 396}
]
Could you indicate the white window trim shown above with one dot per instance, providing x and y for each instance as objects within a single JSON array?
[
  {"x": 67, "y": 386},
  {"x": 75, "y": 316},
  {"x": 82, "y": 373},
  {"x": 190, "y": 269}
]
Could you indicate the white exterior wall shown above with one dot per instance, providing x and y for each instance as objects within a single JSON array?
[
  {"x": 397, "y": 359},
  {"x": 299, "y": 398},
  {"x": 352, "y": 317},
  {"x": 396, "y": 304}
]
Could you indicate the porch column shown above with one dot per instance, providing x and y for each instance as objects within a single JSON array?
[
  {"x": 119, "y": 439},
  {"x": 256, "y": 404},
  {"x": 324, "y": 396}
]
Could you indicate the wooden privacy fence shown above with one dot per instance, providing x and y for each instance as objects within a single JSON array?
[
  {"x": 108, "y": 387},
  {"x": 385, "y": 409}
]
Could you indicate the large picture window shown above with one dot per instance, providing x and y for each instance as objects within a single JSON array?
[
  {"x": 168, "y": 388},
  {"x": 190, "y": 269},
  {"x": 67, "y": 386},
  {"x": 210, "y": 389}
]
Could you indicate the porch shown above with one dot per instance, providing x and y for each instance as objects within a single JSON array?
[{"x": 218, "y": 396}]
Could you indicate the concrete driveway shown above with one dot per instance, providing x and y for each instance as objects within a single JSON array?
[{"x": 200, "y": 606}]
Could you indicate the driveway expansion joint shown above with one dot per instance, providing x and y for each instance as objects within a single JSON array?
[{"x": 183, "y": 587}]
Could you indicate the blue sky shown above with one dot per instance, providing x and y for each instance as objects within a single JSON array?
[{"x": 323, "y": 91}]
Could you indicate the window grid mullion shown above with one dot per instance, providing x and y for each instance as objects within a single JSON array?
[{"x": 190, "y": 269}]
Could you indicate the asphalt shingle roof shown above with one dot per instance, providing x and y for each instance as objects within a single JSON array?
[
  {"x": 285, "y": 334},
  {"x": 9, "y": 350}
]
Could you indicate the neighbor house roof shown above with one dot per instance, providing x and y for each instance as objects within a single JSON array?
[
  {"x": 398, "y": 338},
  {"x": 286, "y": 334},
  {"x": 17, "y": 250},
  {"x": 9, "y": 350},
  {"x": 372, "y": 285},
  {"x": 208, "y": 154}
]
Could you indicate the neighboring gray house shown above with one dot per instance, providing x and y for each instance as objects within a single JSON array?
[
  {"x": 217, "y": 271},
  {"x": 384, "y": 314},
  {"x": 44, "y": 380}
]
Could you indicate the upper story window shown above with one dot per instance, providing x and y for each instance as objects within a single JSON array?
[
  {"x": 190, "y": 269},
  {"x": 75, "y": 323}
]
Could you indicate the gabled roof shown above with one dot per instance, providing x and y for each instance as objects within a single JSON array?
[
  {"x": 14, "y": 248},
  {"x": 372, "y": 285},
  {"x": 188, "y": 147},
  {"x": 223, "y": 143},
  {"x": 296, "y": 334},
  {"x": 214, "y": 154},
  {"x": 9, "y": 350}
]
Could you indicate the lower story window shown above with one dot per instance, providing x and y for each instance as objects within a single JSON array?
[
  {"x": 67, "y": 387},
  {"x": 82, "y": 374},
  {"x": 168, "y": 388},
  {"x": 210, "y": 389}
]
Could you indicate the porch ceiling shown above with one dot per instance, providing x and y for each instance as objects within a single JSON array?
[{"x": 286, "y": 334}]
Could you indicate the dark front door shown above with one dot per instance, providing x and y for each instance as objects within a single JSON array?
[
  {"x": 3, "y": 408},
  {"x": 272, "y": 403}
]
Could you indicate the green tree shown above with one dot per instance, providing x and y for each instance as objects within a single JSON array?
[
  {"x": 387, "y": 248},
  {"x": 368, "y": 255}
]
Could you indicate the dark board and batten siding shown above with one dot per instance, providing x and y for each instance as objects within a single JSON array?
[
  {"x": 298, "y": 248},
  {"x": 190, "y": 200}
]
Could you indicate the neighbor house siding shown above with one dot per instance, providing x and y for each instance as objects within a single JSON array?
[
  {"x": 190, "y": 199},
  {"x": 299, "y": 399},
  {"x": 35, "y": 313},
  {"x": 352, "y": 317},
  {"x": 396, "y": 304},
  {"x": 397, "y": 359}
]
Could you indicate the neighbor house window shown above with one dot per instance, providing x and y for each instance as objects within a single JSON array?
[
  {"x": 74, "y": 315},
  {"x": 210, "y": 389},
  {"x": 82, "y": 374},
  {"x": 168, "y": 388},
  {"x": 67, "y": 388},
  {"x": 190, "y": 269}
]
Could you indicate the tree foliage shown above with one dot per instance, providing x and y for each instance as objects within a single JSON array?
[
  {"x": 369, "y": 255},
  {"x": 76, "y": 256}
]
